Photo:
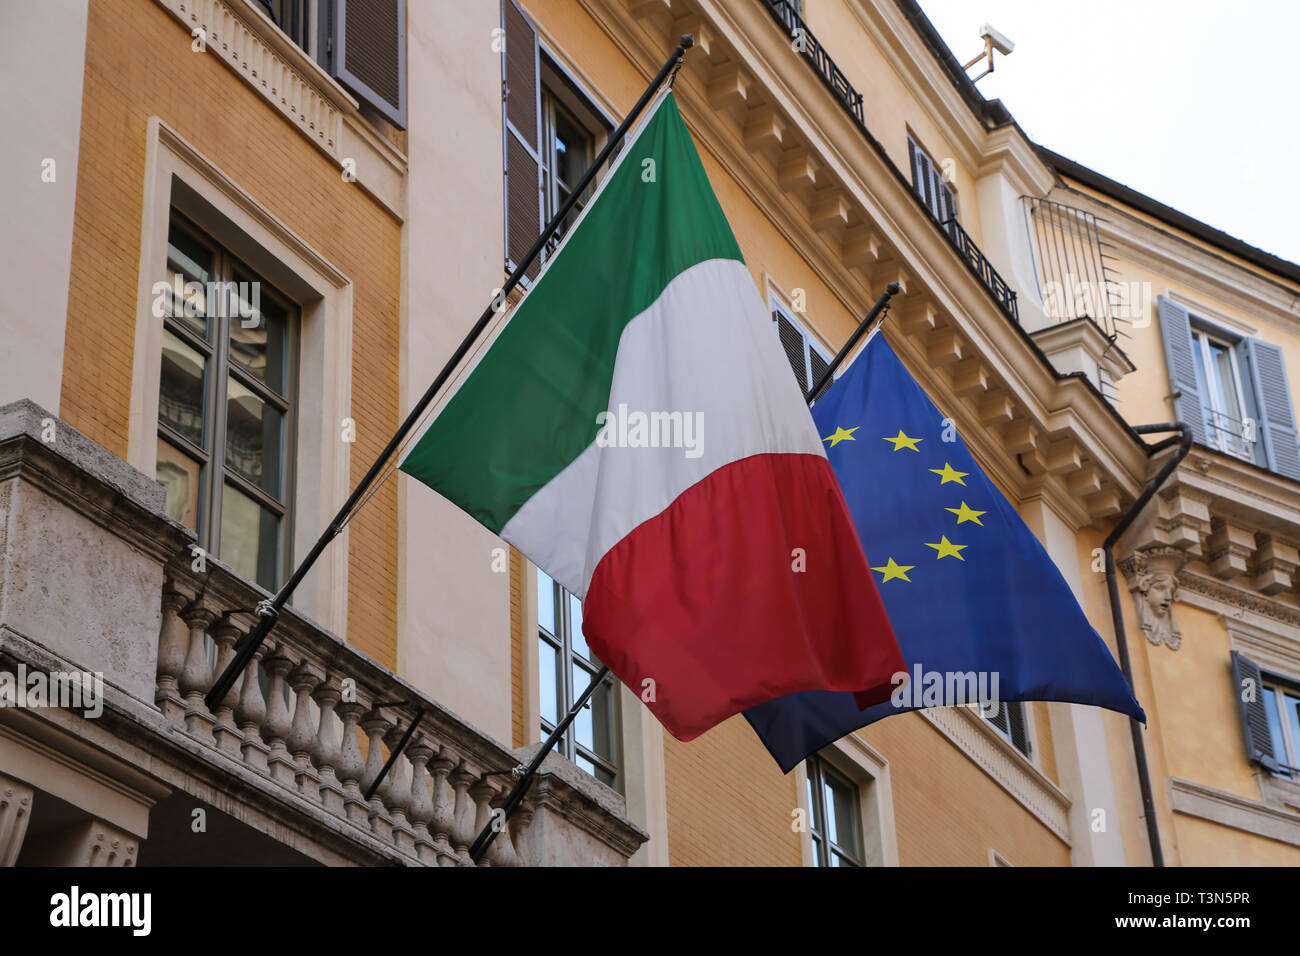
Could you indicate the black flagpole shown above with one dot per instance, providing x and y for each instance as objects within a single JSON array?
[
  {"x": 269, "y": 610},
  {"x": 498, "y": 823}
]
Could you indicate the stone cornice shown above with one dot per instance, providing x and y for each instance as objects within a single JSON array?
[{"x": 1201, "y": 590}]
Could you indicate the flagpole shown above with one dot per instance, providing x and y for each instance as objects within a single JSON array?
[
  {"x": 269, "y": 610},
  {"x": 864, "y": 326},
  {"x": 517, "y": 792}
]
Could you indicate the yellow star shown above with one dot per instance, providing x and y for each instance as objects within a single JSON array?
[
  {"x": 893, "y": 570},
  {"x": 946, "y": 548},
  {"x": 948, "y": 473},
  {"x": 902, "y": 441},
  {"x": 841, "y": 435},
  {"x": 967, "y": 513}
]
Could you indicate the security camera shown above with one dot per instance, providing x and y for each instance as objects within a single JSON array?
[{"x": 1000, "y": 42}]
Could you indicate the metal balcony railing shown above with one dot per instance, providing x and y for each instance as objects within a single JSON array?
[
  {"x": 804, "y": 42},
  {"x": 980, "y": 265}
]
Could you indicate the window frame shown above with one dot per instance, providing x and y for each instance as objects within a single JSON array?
[
  {"x": 562, "y": 643},
  {"x": 1211, "y": 388},
  {"x": 219, "y": 368},
  {"x": 558, "y": 93},
  {"x": 1278, "y": 684},
  {"x": 816, "y": 769}
]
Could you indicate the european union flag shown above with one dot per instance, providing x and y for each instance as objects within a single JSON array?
[{"x": 979, "y": 609}]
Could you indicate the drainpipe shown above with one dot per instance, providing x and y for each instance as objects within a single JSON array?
[{"x": 1184, "y": 442}]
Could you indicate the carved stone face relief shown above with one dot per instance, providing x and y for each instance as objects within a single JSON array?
[{"x": 1155, "y": 592}]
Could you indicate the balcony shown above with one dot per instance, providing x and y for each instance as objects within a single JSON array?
[
  {"x": 804, "y": 42},
  {"x": 95, "y": 579}
]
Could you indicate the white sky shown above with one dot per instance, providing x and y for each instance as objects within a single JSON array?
[{"x": 1193, "y": 103}]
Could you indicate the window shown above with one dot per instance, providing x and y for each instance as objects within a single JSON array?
[
  {"x": 1282, "y": 706},
  {"x": 360, "y": 43},
  {"x": 1231, "y": 390},
  {"x": 565, "y": 666},
  {"x": 808, "y": 360},
  {"x": 1010, "y": 723},
  {"x": 567, "y": 150},
  {"x": 1223, "y": 401},
  {"x": 552, "y": 134},
  {"x": 225, "y": 405},
  {"x": 928, "y": 181},
  {"x": 836, "y": 824}
]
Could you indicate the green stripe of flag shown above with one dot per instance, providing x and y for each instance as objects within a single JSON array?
[{"x": 529, "y": 407}]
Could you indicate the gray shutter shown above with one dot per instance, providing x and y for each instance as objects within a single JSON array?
[
  {"x": 368, "y": 53},
  {"x": 1277, "y": 425},
  {"x": 819, "y": 366},
  {"x": 522, "y": 121},
  {"x": 1176, "y": 329},
  {"x": 1254, "y": 716}
]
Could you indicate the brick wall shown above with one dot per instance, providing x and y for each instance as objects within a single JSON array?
[{"x": 139, "y": 63}]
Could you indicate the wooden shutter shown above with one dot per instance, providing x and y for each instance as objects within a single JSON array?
[
  {"x": 1254, "y": 715},
  {"x": 1277, "y": 426},
  {"x": 1176, "y": 329},
  {"x": 521, "y": 89},
  {"x": 368, "y": 53},
  {"x": 818, "y": 366}
]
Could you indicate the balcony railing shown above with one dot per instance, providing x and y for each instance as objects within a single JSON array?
[
  {"x": 980, "y": 265},
  {"x": 803, "y": 41}
]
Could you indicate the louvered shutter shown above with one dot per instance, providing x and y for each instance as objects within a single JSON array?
[
  {"x": 1247, "y": 683},
  {"x": 1176, "y": 330},
  {"x": 368, "y": 53},
  {"x": 1277, "y": 426},
  {"x": 819, "y": 366},
  {"x": 792, "y": 342},
  {"x": 522, "y": 119},
  {"x": 1019, "y": 731}
]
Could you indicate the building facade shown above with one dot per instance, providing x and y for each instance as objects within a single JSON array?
[{"x": 258, "y": 229}]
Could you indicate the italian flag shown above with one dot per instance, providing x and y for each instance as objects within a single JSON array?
[{"x": 635, "y": 431}]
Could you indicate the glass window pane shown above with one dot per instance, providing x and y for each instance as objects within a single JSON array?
[
  {"x": 180, "y": 403},
  {"x": 191, "y": 260},
  {"x": 259, "y": 334},
  {"x": 817, "y": 852},
  {"x": 1274, "y": 706},
  {"x": 254, "y": 436},
  {"x": 841, "y": 811},
  {"x": 1227, "y": 381},
  {"x": 1292, "y": 705},
  {"x": 249, "y": 537},
  {"x": 546, "y": 602},
  {"x": 812, "y": 798},
  {"x": 548, "y": 670},
  {"x": 583, "y": 724},
  {"x": 178, "y": 473},
  {"x": 576, "y": 638}
]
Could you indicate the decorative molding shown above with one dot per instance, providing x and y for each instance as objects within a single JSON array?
[
  {"x": 1005, "y": 765},
  {"x": 272, "y": 64},
  {"x": 1273, "y": 651},
  {"x": 1152, "y": 575},
  {"x": 1210, "y": 594},
  {"x": 1230, "y": 810}
]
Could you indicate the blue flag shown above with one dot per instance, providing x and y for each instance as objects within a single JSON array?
[{"x": 980, "y": 611}]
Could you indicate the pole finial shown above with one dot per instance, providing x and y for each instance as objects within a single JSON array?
[
  {"x": 893, "y": 288},
  {"x": 687, "y": 41}
]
